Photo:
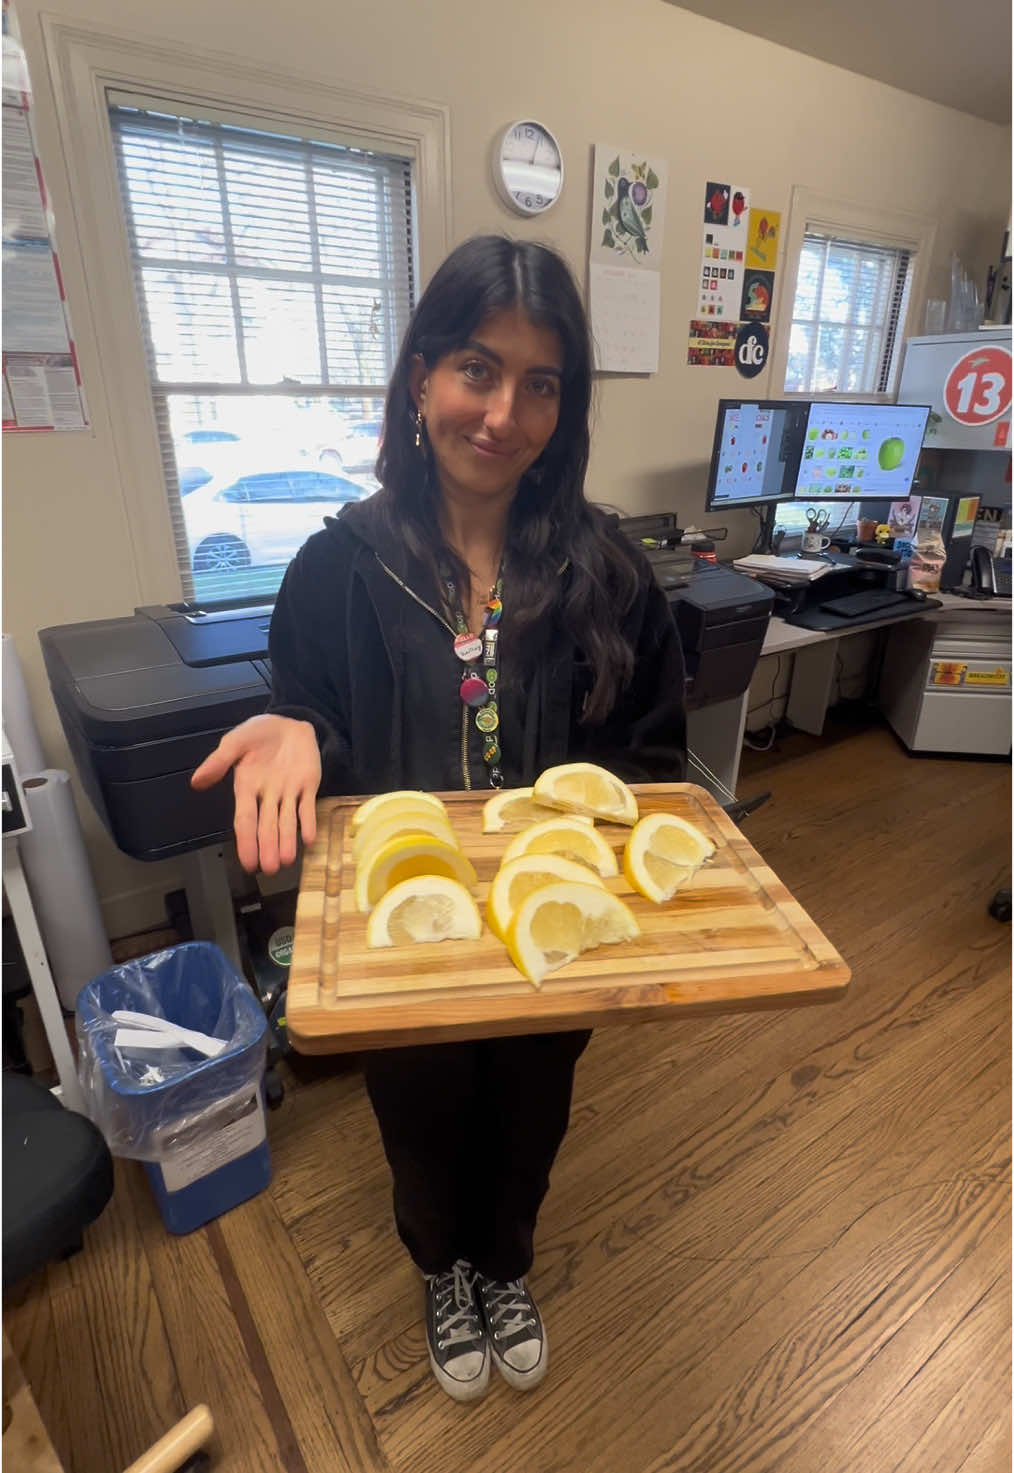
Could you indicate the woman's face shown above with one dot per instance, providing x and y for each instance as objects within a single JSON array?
[{"x": 491, "y": 407}]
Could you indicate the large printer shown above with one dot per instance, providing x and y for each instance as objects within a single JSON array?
[{"x": 144, "y": 699}]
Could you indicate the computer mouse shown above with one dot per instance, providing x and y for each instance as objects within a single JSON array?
[{"x": 918, "y": 594}]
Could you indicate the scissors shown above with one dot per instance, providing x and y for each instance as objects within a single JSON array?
[{"x": 816, "y": 520}]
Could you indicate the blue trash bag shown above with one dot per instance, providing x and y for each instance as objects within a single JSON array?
[{"x": 144, "y": 1100}]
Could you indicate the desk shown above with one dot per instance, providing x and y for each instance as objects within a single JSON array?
[{"x": 815, "y": 652}]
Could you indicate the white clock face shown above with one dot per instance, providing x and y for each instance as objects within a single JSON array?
[{"x": 528, "y": 168}]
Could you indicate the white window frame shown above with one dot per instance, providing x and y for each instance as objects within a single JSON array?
[
  {"x": 86, "y": 64},
  {"x": 814, "y": 211}
]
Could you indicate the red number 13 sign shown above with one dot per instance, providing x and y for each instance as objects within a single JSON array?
[{"x": 978, "y": 387}]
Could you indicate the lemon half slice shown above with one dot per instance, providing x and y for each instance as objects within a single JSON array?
[
  {"x": 510, "y": 808},
  {"x": 581, "y": 787},
  {"x": 555, "y": 923},
  {"x": 573, "y": 837},
  {"x": 388, "y": 823},
  {"x": 426, "y": 908},
  {"x": 403, "y": 799},
  {"x": 404, "y": 857},
  {"x": 519, "y": 877},
  {"x": 663, "y": 853}
]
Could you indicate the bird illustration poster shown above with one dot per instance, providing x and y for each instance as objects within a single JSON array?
[
  {"x": 762, "y": 238},
  {"x": 628, "y": 207},
  {"x": 625, "y": 259}
]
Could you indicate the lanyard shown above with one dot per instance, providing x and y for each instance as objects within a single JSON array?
[{"x": 478, "y": 691}]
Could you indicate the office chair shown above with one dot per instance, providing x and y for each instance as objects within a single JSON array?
[{"x": 57, "y": 1177}]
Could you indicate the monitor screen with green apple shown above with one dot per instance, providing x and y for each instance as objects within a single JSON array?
[{"x": 854, "y": 452}]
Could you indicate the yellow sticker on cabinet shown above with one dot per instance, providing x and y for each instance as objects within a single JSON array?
[
  {"x": 946, "y": 672},
  {"x": 999, "y": 676}
]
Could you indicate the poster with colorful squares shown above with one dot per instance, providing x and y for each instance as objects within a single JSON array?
[{"x": 723, "y": 247}]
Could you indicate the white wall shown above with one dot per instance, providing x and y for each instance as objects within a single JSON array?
[{"x": 715, "y": 102}]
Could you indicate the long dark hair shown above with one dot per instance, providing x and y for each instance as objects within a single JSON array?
[{"x": 552, "y": 527}]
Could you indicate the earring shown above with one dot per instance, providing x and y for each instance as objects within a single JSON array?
[{"x": 418, "y": 429}]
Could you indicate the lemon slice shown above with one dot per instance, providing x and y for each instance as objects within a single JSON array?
[
  {"x": 519, "y": 877},
  {"x": 404, "y": 857},
  {"x": 426, "y": 908},
  {"x": 663, "y": 853},
  {"x": 555, "y": 923},
  {"x": 573, "y": 837},
  {"x": 386, "y": 825},
  {"x": 509, "y": 808},
  {"x": 581, "y": 787},
  {"x": 405, "y": 800}
]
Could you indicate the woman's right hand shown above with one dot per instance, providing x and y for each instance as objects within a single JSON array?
[{"x": 276, "y": 764}]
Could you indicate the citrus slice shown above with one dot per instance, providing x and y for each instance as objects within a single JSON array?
[
  {"x": 581, "y": 787},
  {"x": 405, "y": 856},
  {"x": 388, "y": 823},
  {"x": 572, "y": 837},
  {"x": 510, "y": 808},
  {"x": 663, "y": 853},
  {"x": 426, "y": 908},
  {"x": 555, "y": 923},
  {"x": 403, "y": 800},
  {"x": 519, "y": 877}
]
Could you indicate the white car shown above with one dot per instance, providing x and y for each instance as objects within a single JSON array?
[{"x": 262, "y": 518}]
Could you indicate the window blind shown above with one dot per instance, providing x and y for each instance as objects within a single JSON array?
[
  {"x": 847, "y": 313},
  {"x": 275, "y": 278}
]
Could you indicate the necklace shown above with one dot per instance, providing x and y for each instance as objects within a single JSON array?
[{"x": 478, "y": 691}]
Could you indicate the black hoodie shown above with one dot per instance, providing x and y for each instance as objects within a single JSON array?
[{"x": 360, "y": 648}]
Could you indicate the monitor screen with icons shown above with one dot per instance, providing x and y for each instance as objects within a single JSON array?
[
  {"x": 756, "y": 454},
  {"x": 854, "y": 452}
]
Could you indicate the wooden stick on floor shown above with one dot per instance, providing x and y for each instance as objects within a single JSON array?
[{"x": 179, "y": 1443}]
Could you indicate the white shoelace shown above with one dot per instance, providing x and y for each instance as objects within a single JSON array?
[
  {"x": 508, "y": 1308},
  {"x": 456, "y": 1315}
]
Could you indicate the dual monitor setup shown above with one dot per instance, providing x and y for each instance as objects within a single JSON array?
[{"x": 770, "y": 451}]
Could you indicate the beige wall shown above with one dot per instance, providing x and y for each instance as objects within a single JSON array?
[{"x": 714, "y": 101}]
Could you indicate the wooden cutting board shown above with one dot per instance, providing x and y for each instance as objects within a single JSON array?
[{"x": 733, "y": 939}]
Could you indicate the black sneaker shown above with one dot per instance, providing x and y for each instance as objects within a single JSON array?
[
  {"x": 455, "y": 1333},
  {"x": 517, "y": 1336}
]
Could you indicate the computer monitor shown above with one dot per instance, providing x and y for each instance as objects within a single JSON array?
[
  {"x": 860, "y": 452},
  {"x": 757, "y": 452}
]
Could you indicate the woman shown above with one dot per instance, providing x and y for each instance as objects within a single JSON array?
[{"x": 482, "y": 510}]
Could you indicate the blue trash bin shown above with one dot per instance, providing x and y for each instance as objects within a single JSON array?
[{"x": 197, "y": 1123}]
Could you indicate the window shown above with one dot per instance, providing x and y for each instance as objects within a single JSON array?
[
  {"x": 849, "y": 302},
  {"x": 275, "y": 277}
]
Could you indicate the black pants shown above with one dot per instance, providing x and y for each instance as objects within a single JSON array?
[{"x": 470, "y": 1131}]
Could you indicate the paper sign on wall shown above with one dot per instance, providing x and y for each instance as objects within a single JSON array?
[
  {"x": 762, "y": 238},
  {"x": 625, "y": 258}
]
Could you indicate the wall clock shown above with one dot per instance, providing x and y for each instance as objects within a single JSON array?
[{"x": 528, "y": 167}]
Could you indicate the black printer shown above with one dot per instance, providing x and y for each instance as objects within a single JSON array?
[
  {"x": 722, "y": 617},
  {"x": 143, "y": 700}
]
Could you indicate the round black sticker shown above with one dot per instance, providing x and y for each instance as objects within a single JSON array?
[{"x": 751, "y": 348}]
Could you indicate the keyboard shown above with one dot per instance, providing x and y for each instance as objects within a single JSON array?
[{"x": 868, "y": 601}]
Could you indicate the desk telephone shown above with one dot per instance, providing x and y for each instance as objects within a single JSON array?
[{"x": 991, "y": 577}]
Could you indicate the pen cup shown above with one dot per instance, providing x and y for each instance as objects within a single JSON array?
[{"x": 815, "y": 542}]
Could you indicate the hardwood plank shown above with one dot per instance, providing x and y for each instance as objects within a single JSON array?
[
  {"x": 333, "y": 1432},
  {"x": 26, "y": 1444},
  {"x": 214, "y": 1363},
  {"x": 28, "y": 1321}
]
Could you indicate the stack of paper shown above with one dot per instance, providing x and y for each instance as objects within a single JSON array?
[{"x": 782, "y": 571}]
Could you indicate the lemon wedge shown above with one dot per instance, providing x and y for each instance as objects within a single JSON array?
[
  {"x": 519, "y": 877},
  {"x": 403, "y": 801},
  {"x": 425, "y": 908},
  {"x": 581, "y": 787},
  {"x": 555, "y": 923},
  {"x": 573, "y": 837},
  {"x": 510, "y": 808},
  {"x": 663, "y": 853},
  {"x": 387, "y": 824},
  {"x": 402, "y": 858}
]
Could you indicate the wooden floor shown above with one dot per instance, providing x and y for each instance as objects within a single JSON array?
[{"x": 775, "y": 1243}]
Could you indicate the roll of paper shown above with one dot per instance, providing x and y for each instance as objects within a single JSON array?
[
  {"x": 60, "y": 882},
  {"x": 18, "y": 719}
]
